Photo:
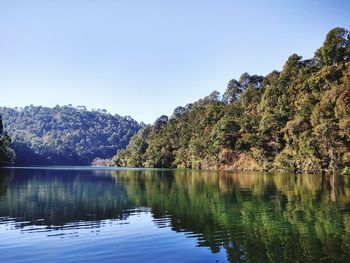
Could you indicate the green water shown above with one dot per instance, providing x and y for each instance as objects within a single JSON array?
[{"x": 88, "y": 215}]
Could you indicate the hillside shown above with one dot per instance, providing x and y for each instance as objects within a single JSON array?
[
  {"x": 296, "y": 120},
  {"x": 65, "y": 135}
]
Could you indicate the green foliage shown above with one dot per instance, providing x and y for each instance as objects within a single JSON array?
[
  {"x": 232, "y": 92},
  {"x": 7, "y": 155},
  {"x": 295, "y": 120},
  {"x": 336, "y": 47},
  {"x": 65, "y": 135},
  {"x": 346, "y": 170}
]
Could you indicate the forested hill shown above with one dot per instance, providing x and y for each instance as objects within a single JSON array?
[
  {"x": 65, "y": 135},
  {"x": 296, "y": 120}
]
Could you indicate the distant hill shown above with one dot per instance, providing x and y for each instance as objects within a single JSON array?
[
  {"x": 65, "y": 135},
  {"x": 296, "y": 120}
]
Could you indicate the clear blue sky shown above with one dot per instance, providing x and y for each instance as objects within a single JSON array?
[{"x": 144, "y": 58}]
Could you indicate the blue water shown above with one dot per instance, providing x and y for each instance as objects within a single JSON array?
[
  {"x": 76, "y": 214},
  {"x": 135, "y": 239}
]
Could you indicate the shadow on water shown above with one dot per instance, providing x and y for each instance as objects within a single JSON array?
[{"x": 253, "y": 217}]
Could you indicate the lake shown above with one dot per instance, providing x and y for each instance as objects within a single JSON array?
[{"x": 77, "y": 214}]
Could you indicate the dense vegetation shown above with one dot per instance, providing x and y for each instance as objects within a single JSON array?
[
  {"x": 295, "y": 120},
  {"x": 7, "y": 155},
  {"x": 65, "y": 135}
]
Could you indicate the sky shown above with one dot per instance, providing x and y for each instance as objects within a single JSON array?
[{"x": 143, "y": 58}]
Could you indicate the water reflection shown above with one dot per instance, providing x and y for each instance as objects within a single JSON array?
[
  {"x": 251, "y": 217},
  {"x": 56, "y": 197},
  {"x": 256, "y": 217}
]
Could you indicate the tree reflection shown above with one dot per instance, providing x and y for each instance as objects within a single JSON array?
[
  {"x": 253, "y": 217},
  {"x": 57, "y": 197}
]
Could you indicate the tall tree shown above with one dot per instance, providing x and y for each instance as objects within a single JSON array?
[
  {"x": 233, "y": 91},
  {"x": 336, "y": 47}
]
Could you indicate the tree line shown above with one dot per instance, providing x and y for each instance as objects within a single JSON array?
[
  {"x": 64, "y": 134},
  {"x": 295, "y": 120}
]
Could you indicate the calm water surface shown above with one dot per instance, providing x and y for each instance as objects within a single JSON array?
[{"x": 106, "y": 215}]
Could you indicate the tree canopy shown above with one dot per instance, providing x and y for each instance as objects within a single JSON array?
[
  {"x": 295, "y": 120},
  {"x": 65, "y": 135},
  {"x": 7, "y": 155}
]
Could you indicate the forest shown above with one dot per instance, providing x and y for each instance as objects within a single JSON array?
[
  {"x": 7, "y": 155},
  {"x": 63, "y": 135},
  {"x": 294, "y": 120}
]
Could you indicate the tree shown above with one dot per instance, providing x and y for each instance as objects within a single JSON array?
[
  {"x": 7, "y": 155},
  {"x": 179, "y": 111},
  {"x": 336, "y": 47},
  {"x": 161, "y": 121},
  {"x": 232, "y": 92},
  {"x": 212, "y": 97}
]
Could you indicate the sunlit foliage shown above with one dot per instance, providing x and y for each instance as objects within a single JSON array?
[{"x": 296, "y": 120}]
